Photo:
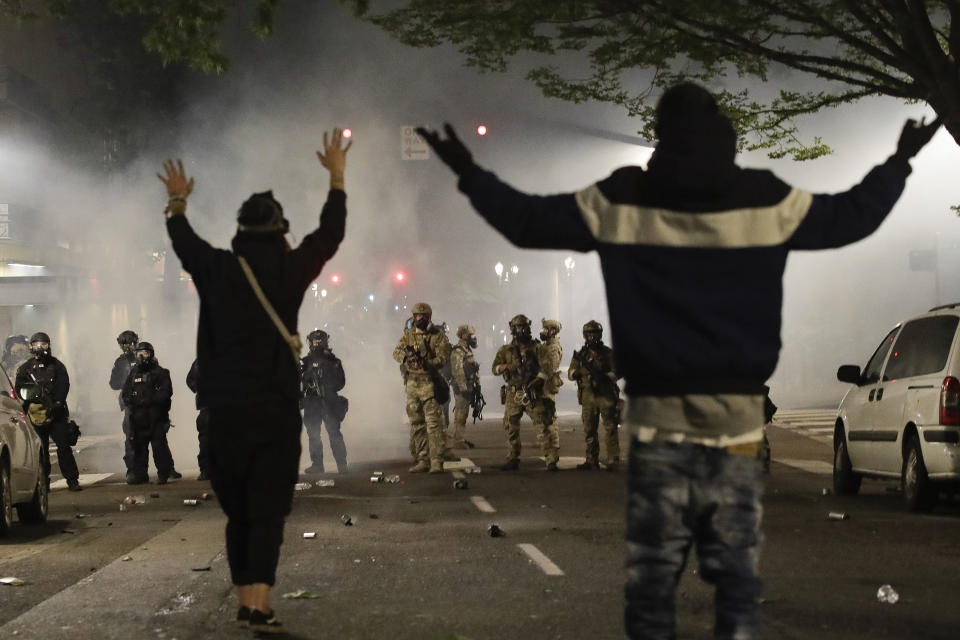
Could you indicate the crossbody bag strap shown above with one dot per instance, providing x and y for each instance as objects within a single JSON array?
[{"x": 292, "y": 339}]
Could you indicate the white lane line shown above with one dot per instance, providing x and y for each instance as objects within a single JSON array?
[
  {"x": 86, "y": 479},
  {"x": 481, "y": 503},
  {"x": 462, "y": 463},
  {"x": 810, "y": 466},
  {"x": 541, "y": 560}
]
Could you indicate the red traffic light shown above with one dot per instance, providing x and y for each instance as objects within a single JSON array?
[
  {"x": 348, "y": 133},
  {"x": 335, "y": 279},
  {"x": 482, "y": 130},
  {"x": 399, "y": 276}
]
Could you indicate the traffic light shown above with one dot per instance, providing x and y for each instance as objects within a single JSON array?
[
  {"x": 399, "y": 276},
  {"x": 348, "y": 133},
  {"x": 481, "y": 130},
  {"x": 335, "y": 278}
]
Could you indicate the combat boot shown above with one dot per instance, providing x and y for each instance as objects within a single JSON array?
[
  {"x": 511, "y": 465},
  {"x": 450, "y": 456},
  {"x": 436, "y": 465},
  {"x": 587, "y": 466},
  {"x": 420, "y": 467},
  {"x": 552, "y": 466}
]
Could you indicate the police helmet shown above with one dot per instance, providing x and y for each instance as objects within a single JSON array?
[
  {"x": 145, "y": 346},
  {"x": 128, "y": 337},
  {"x": 424, "y": 308},
  {"x": 465, "y": 331},
  {"x": 40, "y": 336},
  {"x": 318, "y": 334},
  {"x": 519, "y": 320}
]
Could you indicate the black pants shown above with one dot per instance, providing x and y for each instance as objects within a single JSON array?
[
  {"x": 127, "y": 442},
  {"x": 254, "y": 462},
  {"x": 59, "y": 432},
  {"x": 316, "y": 413},
  {"x": 149, "y": 432},
  {"x": 203, "y": 440}
]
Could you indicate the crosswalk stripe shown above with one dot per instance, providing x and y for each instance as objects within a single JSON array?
[
  {"x": 86, "y": 479},
  {"x": 481, "y": 503},
  {"x": 811, "y": 466}
]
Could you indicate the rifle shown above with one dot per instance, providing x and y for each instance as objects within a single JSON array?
[
  {"x": 477, "y": 402},
  {"x": 599, "y": 380},
  {"x": 312, "y": 382}
]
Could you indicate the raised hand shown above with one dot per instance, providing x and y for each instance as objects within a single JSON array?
[
  {"x": 176, "y": 182},
  {"x": 915, "y": 136},
  {"x": 452, "y": 151},
  {"x": 333, "y": 157}
]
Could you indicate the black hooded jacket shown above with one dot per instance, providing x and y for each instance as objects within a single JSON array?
[{"x": 243, "y": 357}]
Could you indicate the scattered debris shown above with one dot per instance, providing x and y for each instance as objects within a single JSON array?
[
  {"x": 887, "y": 594},
  {"x": 346, "y": 520},
  {"x": 326, "y": 483},
  {"x": 190, "y": 502},
  {"x": 302, "y": 486},
  {"x": 155, "y": 494},
  {"x": 471, "y": 470},
  {"x": 309, "y": 535},
  {"x": 13, "y": 582},
  {"x": 376, "y": 479},
  {"x": 837, "y": 515},
  {"x": 356, "y": 561},
  {"x": 206, "y": 495},
  {"x": 495, "y": 531},
  {"x": 377, "y": 473},
  {"x": 374, "y": 516},
  {"x": 80, "y": 516},
  {"x": 207, "y": 568},
  {"x": 460, "y": 483},
  {"x": 126, "y": 559},
  {"x": 134, "y": 500},
  {"x": 302, "y": 594},
  {"x": 394, "y": 479},
  {"x": 825, "y": 492},
  {"x": 70, "y": 531}
]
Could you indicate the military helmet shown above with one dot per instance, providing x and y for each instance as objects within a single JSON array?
[
  {"x": 128, "y": 337},
  {"x": 422, "y": 307},
  {"x": 16, "y": 339},
  {"x": 551, "y": 324},
  {"x": 592, "y": 327},
  {"x": 317, "y": 334},
  {"x": 465, "y": 331},
  {"x": 519, "y": 320},
  {"x": 40, "y": 336}
]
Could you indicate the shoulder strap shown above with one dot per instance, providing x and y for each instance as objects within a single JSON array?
[{"x": 291, "y": 339}]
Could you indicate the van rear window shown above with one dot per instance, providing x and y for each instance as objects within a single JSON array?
[{"x": 921, "y": 348}]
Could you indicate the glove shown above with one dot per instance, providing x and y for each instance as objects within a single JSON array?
[
  {"x": 452, "y": 151},
  {"x": 915, "y": 136}
]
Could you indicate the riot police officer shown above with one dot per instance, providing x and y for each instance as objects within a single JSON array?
[
  {"x": 47, "y": 408},
  {"x": 203, "y": 422},
  {"x": 321, "y": 377},
  {"x": 147, "y": 392},
  {"x": 517, "y": 363},
  {"x": 592, "y": 369},
  {"x": 16, "y": 350},
  {"x": 423, "y": 350},
  {"x": 118, "y": 375}
]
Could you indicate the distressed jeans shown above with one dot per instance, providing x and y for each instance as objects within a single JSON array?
[{"x": 680, "y": 495}]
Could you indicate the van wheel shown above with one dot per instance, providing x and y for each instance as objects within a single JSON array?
[
  {"x": 845, "y": 481},
  {"x": 6, "y": 499},
  {"x": 35, "y": 511},
  {"x": 918, "y": 491}
]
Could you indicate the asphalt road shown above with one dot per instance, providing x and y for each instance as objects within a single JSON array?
[{"x": 418, "y": 562}]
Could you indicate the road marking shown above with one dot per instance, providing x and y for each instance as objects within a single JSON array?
[
  {"x": 86, "y": 479},
  {"x": 463, "y": 463},
  {"x": 482, "y": 504},
  {"x": 459, "y": 475},
  {"x": 541, "y": 560},
  {"x": 810, "y": 466}
]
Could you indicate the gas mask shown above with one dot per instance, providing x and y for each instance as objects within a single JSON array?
[
  {"x": 127, "y": 347},
  {"x": 40, "y": 350},
  {"x": 144, "y": 359},
  {"x": 472, "y": 341},
  {"x": 421, "y": 321},
  {"x": 521, "y": 332},
  {"x": 593, "y": 339},
  {"x": 545, "y": 335},
  {"x": 318, "y": 346}
]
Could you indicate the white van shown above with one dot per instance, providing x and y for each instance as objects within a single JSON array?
[{"x": 901, "y": 419}]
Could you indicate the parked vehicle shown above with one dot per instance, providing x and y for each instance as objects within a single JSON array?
[
  {"x": 901, "y": 419},
  {"x": 24, "y": 484}
]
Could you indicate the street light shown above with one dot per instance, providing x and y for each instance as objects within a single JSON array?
[
  {"x": 498, "y": 269},
  {"x": 515, "y": 269},
  {"x": 569, "y": 263},
  {"x": 323, "y": 293}
]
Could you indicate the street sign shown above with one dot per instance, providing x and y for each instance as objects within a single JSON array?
[{"x": 412, "y": 146}]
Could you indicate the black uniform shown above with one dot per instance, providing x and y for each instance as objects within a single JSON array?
[
  {"x": 250, "y": 380},
  {"x": 146, "y": 394},
  {"x": 321, "y": 376},
  {"x": 51, "y": 375},
  {"x": 203, "y": 423},
  {"x": 118, "y": 375}
]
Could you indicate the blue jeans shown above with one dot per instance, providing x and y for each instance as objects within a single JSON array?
[{"x": 680, "y": 495}]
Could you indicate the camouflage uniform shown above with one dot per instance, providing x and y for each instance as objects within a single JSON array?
[
  {"x": 593, "y": 370},
  {"x": 423, "y": 410},
  {"x": 465, "y": 377},
  {"x": 544, "y": 413}
]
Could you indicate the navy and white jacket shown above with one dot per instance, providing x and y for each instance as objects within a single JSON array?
[{"x": 693, "y": 276}]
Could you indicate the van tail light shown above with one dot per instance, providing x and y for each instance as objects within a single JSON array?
[{"x": 950, "y": 402}]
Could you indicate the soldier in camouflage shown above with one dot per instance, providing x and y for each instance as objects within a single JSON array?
[
  {"x": 423, "y": 350},
  {"x": 517, "y": 363},
  {"x": 466, "y": 376},
  {"x": 597, "y": 391},
  {"x": 544, "y": 390}
]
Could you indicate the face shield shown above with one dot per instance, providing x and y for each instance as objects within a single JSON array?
[{"x": 40, "y": 349}]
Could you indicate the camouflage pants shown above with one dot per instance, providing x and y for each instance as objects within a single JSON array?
[
  {"x": 461, "y": 408},
  {"x": 543, "y": 413},
  {"x": 681, "y": 495},
  {"x": 593, "y": 415},
  {"x": 426, "y": 419}
]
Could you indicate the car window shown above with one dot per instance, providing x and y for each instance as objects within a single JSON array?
[
  {"x": 922, "y": 347},
  {"x": 871, "y": 372}
]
